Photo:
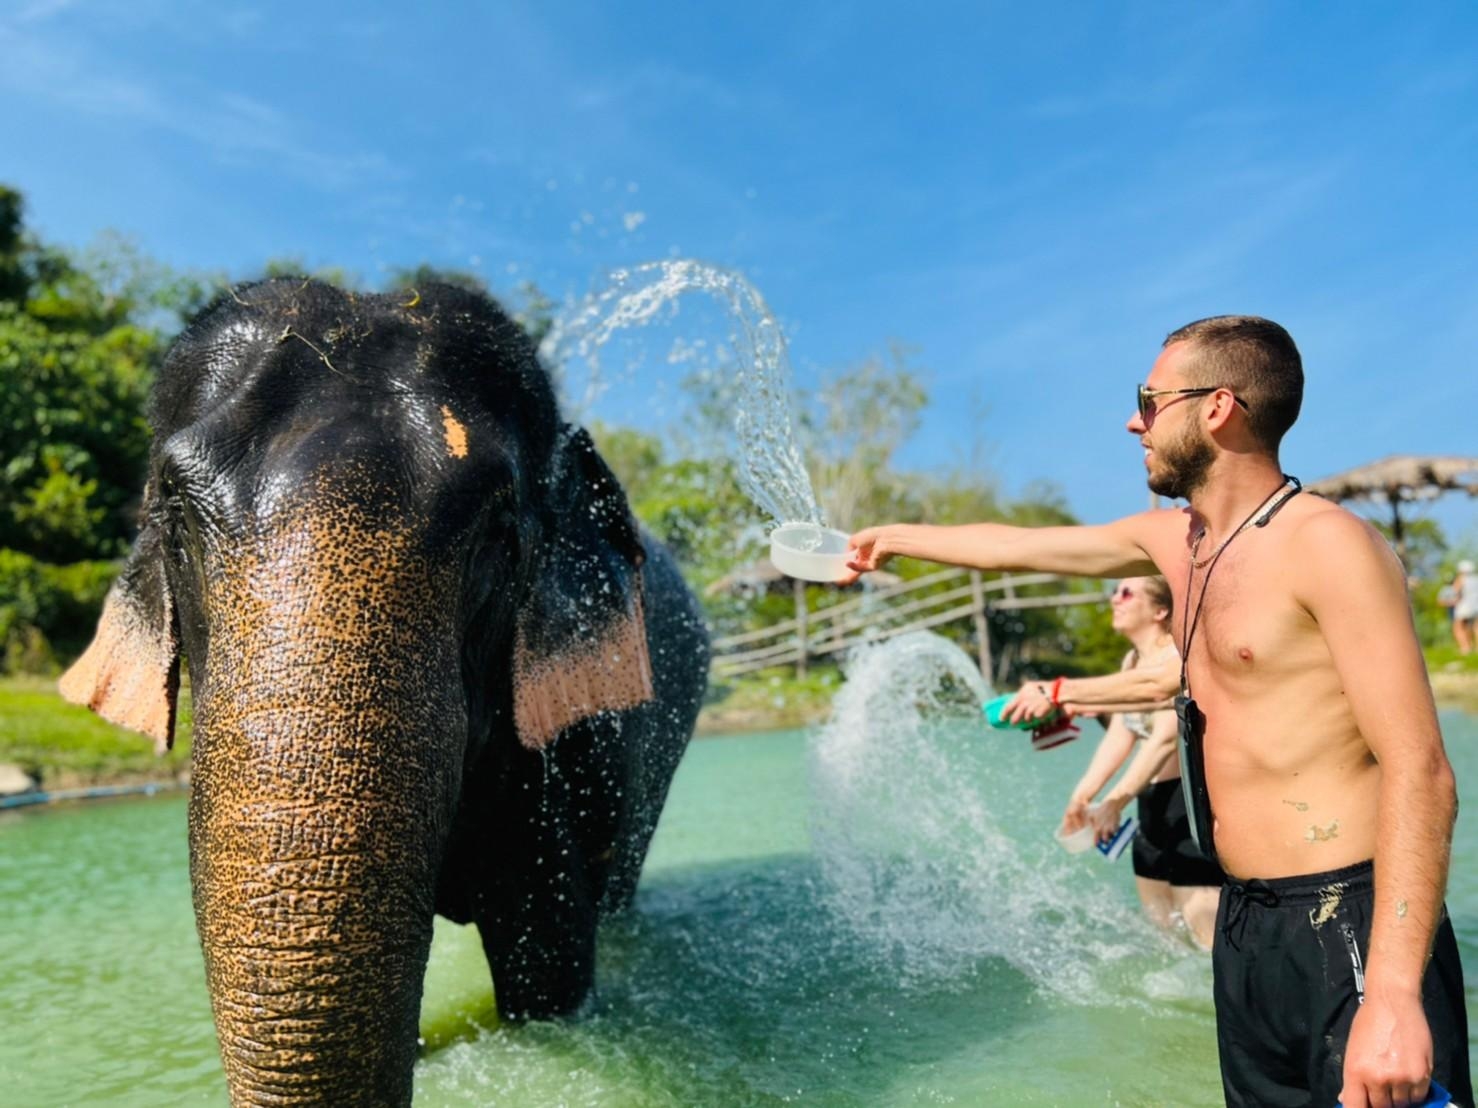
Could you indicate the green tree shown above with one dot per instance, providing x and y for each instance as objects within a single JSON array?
[
  {"x": 694, "y": 506},
  {"x": 13, "y": 279},
  {"x": 293, "y": 265},
  {"x": 74, "y": 378},
  {"x": 635, "y": 457},
  {"x": 419, "y": 277},
  {"x": 81, "y": 336},
  {"x": 532, "y": 309},
  {"x": 1426, "y": 545},
  {"x": 857, "y": 422}
]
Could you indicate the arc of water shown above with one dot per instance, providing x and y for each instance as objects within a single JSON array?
[
  {"x": 771, "y": 470},
  {"x": 912, "y": 839}
]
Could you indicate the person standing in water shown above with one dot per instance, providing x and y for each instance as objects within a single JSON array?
[
  {"x": 1465, "y": 606},
  {"x": 1177, "y": 885},
  {"x": 1310, "y": 751}
]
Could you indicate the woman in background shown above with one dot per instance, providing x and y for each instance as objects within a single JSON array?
[
  {"x": 1177, "y": 885},
  {"x": 1462, "y": 597}
]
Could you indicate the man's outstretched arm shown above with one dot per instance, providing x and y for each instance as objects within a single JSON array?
[
  {"x": 1358, "y": 597},
  {"x": 1115, "y": 549}
]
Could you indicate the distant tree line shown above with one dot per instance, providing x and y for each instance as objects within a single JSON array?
[{"x": 82, "y": 334}]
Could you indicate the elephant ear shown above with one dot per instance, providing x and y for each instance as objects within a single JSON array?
[
  {"x": 130, "y": 674},
  {"x": 580, "y": 646}
]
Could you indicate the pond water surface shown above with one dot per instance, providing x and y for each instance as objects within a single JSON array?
[{"x": 975, "y": 965}]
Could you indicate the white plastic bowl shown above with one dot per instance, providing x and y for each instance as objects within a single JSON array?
[
  {"x": 809, "y": 552},
  {"x": 1076, "y": 842}
]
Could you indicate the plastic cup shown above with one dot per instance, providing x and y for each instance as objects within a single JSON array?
[
  {"x": 1076, "y": 842},
  {"x": 809, "y": 552}
]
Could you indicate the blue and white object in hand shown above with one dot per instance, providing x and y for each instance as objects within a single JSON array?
[
  {"x": 1121, "y": 840},
  {"x": 1437, "y": 1097}
]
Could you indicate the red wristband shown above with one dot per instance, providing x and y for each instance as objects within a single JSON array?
[{"x": 1057, "y": 693}]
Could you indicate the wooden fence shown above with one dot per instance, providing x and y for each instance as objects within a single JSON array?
[{"x": 885, "y": 613}]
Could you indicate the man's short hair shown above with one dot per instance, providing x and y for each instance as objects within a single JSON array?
[{"x": 1257, "y": 360}]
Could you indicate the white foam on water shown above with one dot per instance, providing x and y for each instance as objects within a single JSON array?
[
  {"x": 771, "y": 470},
  {"x": 911, "y": 797}
]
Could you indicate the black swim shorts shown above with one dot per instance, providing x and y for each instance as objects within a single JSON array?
[
  {"x": 1289, "y": 964},
  {"x": 1164, "y": 849}
]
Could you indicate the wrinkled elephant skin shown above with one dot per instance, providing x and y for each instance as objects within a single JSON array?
[{"x": 436, "y": 667}]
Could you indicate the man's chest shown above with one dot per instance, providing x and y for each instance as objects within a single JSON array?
[{"x": 1239, "y": 618}]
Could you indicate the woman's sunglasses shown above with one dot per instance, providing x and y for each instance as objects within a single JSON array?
[
  {"x": 1123, "y": 592},
  {"x": 1147, "y": 406}
]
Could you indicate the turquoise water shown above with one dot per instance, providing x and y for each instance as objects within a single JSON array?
[{"x": 895, "y": 928}]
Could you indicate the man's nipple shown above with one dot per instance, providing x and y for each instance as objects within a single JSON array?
[{"x": 1245, "y": 654}]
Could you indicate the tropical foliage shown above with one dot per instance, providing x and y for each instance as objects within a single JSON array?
[{"x": 82, "y": 334}]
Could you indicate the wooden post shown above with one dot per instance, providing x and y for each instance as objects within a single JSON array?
[
  {"x": 1398, "y": 532},
  {"x": 1010, "y": 593},
  {"x": 982, "y": 625},
  {"x": 800, "y": 620}
]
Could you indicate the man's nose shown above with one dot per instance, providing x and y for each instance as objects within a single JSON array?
[{"x": 1136, "y": 425}]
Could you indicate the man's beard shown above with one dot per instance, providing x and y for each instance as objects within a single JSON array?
[{"x": 1185, "y": 463}]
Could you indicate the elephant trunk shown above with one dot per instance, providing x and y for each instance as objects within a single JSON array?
[{"x": 327, "y": 762}]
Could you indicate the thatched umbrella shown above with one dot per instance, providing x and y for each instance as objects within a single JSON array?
[{"x": 1399, "y": 479}]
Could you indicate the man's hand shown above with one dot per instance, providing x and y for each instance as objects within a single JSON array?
[
  {"x": 867, "y": 550},
  {"x": 1032, "y": 701},
  {"x": 1388, "y": 1058}
]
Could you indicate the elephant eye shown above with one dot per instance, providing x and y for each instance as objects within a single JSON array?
[
  {"x": 170, "y": 500},
  {"x": 170, "y": 514}
]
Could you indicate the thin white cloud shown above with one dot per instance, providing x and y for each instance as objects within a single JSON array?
[
  {"x": 659, "y": 88},
  {"x": 241, "y": 22},
  {"x": 38, "y": 11},
  {"x": 1214, "y": 256},
  {"x": 236, "y": 129}
]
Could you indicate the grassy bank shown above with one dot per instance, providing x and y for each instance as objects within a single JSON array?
[
  {"x": 63, "y": 746},
  {"x": 768, "y": 701},
  {"x": 1454, "y": 677}
]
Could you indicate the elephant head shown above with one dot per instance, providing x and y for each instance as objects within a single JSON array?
[{"x": 434, "y": 665}]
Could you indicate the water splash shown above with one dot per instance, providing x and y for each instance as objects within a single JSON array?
[
  {"x": 911, "y": 796},
  {"x": 771, "y": 470}
]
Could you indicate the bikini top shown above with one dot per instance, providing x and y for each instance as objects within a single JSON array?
[{"x": 1139, "y": 723}]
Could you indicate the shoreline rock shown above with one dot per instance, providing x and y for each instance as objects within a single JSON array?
[
  {"x": 1456, "y": 689},
  {"x": 14, "y": 780}
]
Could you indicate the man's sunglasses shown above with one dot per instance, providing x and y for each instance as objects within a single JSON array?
[{"x": 1147, "y": 404}]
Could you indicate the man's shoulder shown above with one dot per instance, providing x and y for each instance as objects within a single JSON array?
[
  {"x": 1314, "y": 520},
  {"x": 1164, "y": 534},
  {"x": 1161, "y": 521},
  {"x": 1326, "y": 546}
]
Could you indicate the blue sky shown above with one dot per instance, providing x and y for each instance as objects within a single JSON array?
[{"x": 1030, "y": 196}]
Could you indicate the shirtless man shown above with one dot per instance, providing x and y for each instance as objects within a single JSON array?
[{"x": 1336, "y": 969}]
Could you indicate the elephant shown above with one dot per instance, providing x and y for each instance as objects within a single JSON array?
[{"x": 436, "y": 667}]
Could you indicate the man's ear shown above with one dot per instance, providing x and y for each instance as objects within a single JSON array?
[
  {"x": 130, "y": 674},
  {"x": 1218, "y": 413}
]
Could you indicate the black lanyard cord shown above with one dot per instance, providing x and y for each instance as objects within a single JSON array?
[{"x": 1268, "y": 508}]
